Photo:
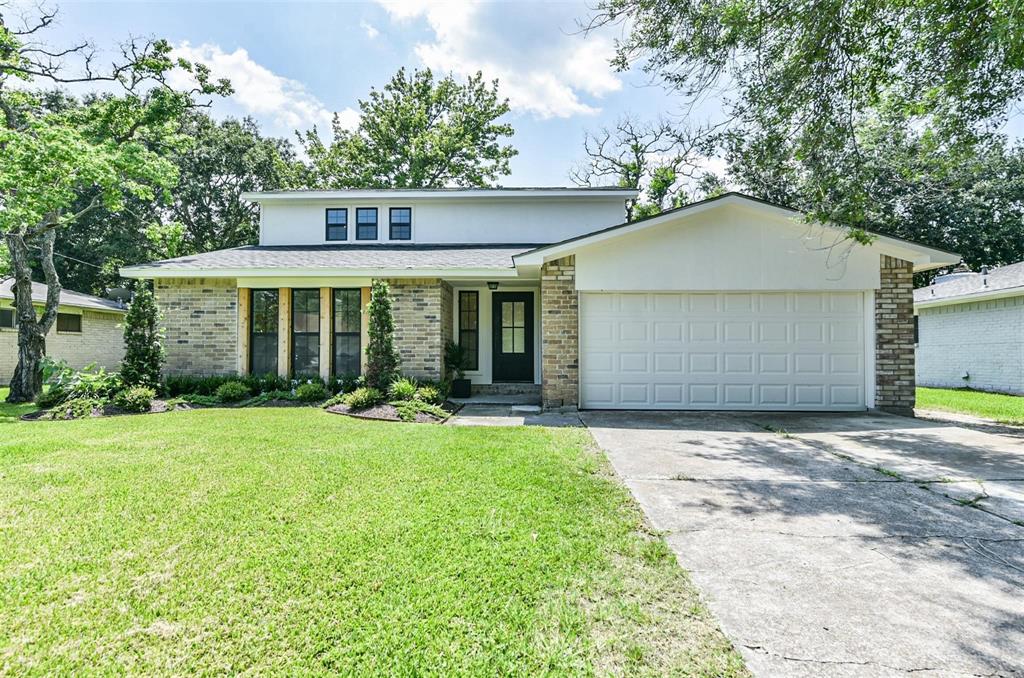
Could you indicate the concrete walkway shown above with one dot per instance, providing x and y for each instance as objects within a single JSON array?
[
  {"x": 511, "y": 415},
  {"x": 839, "y": 545}
]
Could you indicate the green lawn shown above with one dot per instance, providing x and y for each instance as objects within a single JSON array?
[
  {"x": 1007, "y": 409},
  {"x": 296, "y": 541}
]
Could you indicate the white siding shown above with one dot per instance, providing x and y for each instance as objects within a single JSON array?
[
  {"x": 984, "y": 339},
  {"x": 498, "y": 221}
]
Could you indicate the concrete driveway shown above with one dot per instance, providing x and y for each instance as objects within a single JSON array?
[{"x": 839, "y": 545}]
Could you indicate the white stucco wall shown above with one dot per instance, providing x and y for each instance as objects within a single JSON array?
[
  {"x": 984, "y": 339},
  {"x": 101, "y": 342}
]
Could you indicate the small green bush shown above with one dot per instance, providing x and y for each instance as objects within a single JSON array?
[
  {"x": 429, "y": 394},
  {"x": 402, "y": 389},
  {"x": 200, "y": 399},
  {"x": 408, "y": 409},
  {"x": 363, "y": 398},
  {"x": 76, "y": 408},
  {"x": 232, "y": 392},
  {"x": 50, "y": 397},
  {"x": 258, "y": 383},
  {"x": 335, "y": 400},
  {"x": 311, "y": 392},
  {"x": 135, "y": 398}
]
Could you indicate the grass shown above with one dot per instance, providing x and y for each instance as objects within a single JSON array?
[
  {"x": 1006, "y": 409},
  {"x": 9, "y": 413},
  {"x": 296, "y": 541}
]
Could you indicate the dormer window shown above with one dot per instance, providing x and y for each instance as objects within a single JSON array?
[
  {"x": 366, "y": 223},
  {"x": 401, "y": 223},
  {"x": 337, "y": 224}
]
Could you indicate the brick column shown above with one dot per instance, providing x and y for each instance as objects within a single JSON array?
[
  {"x": 422, "y": 308},
  {"x": 201, "y": 317},
  {"x": 894, "y": 337},
  {"x": 559, "y": 317}
]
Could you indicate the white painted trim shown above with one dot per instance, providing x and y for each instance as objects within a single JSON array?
[
  {"x": 970, "y": 298},
  {"x": 144, "y": 273},
  {"x": 870, "y": 342},
  {"x": 298, "y": 282},
  {"x": 369, "y": 194}
]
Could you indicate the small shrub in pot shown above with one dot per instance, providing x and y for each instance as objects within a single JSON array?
[{"x": 456, "y": 362}]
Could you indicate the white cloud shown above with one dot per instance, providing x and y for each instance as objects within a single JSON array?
[
  {"x": 369, "y": 29},
  {"x": 260, "y": 92},
  {"x": 541, "y": 69}
]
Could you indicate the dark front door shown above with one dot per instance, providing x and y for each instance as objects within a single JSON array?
[{"x": 512, "y": 314}]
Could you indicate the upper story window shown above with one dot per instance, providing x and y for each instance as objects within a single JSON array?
[
  {"x": 337, "y": 224},
  {"x": 7, "y": 318},
  {"x": 366, "y": 223},
  {"x": 69, "y": 322},
  {"x": 401, "y": 223}
]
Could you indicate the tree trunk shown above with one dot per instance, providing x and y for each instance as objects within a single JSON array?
[{"x": 27, "y": 383}]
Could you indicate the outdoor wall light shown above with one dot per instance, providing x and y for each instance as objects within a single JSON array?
[{"x": 492, "y": 286}]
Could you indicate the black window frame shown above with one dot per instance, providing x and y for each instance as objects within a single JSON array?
[
  {"x": 13, "y": 314},
  {"x": 346, "y": 335},
  {"x": 276, "y": 334},
  {"x": 376, "y": 223},
  {"x": 405, "y": 225},
  {"x": 292, "y": 334},
  {"x": 917, "y": 329},
  {"x": 469, "y": 339},
  {"x": 328, "y": 225},
  {"x": 65, "y": 317}
]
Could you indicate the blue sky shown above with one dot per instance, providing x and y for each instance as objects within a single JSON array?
[{"x": 295, "y": 64}]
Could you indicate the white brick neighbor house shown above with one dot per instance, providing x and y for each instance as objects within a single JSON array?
[
  {"x": 88, "y": 330},
  {"x": 971, "y": 330},
  {"x": 728, "y": 303}
]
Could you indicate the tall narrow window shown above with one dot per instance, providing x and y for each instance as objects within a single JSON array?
[
  {"x": 346, "y": 332},
  {"x": 263, "y": 332},
  {"x": 69, "y": 322},
  {"x": 337, "y": 224},
  {"x": 366, "y": 223},
  {"x": 401, "y": 223},
  {"x": 305, "y": 333},
  {"x": 469, "y": 327}
]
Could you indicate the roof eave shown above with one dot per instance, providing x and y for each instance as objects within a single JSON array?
[
  {"x": 146, "y": 273},
  {"x": 970, "y": 298}
]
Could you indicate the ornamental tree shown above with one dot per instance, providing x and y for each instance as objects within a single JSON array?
[
  {"x": 108, "y": 149},
  {"x": 381, "y": 357},
  {"x": 143, "y": 342}
]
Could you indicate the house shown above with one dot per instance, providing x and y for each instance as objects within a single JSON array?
[
  {"x": 88, "y": 329},
  {"x": 971, "y": 329},
  {"x": 728, "y": 303}
]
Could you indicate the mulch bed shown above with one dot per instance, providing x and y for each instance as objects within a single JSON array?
[{"x": 387, "y": 412}]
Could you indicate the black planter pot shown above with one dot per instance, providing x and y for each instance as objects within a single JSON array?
[{"x": 461, "y": 388}]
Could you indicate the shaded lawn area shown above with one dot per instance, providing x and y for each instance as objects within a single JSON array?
[
  {"x": 9, "y": 413},
  {"x": 293, "y": 540},
  {"x": 1006, "y": 409}
]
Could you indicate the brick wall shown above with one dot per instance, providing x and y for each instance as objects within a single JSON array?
[
  {"x": 894, "y": 337},
  {"x": 200, "y": 317},
  {"x": 982, "y": 339},
  {"x": 423, "y": 320},
  {"x": 101, "y": 342},
  {"x": 559, "y": 303}
]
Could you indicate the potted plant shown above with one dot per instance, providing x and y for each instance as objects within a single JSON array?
[{"x": 456, "y": 360}]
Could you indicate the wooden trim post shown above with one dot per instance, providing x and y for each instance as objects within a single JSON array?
[
  {"x": 284, "y": 332},
  {"x": 326, "y": 335},
  {"x": 244, "y": 312}
]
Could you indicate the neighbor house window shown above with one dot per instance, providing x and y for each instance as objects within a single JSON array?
[
  {"x": 469, "y": 324},
  {"x": 337, "y": 224},
  {"x": 401, "y": 223},
  {"x": 69, "y": 322},
  {"x": 346, "y": 332},
  {"x": 305, "y": 333},
  {"x": 366, "y": 223},
  {"x": 263, "y": 332},
  {"x": 7, "y": 318},
  {"x": 917, "y": 330}
]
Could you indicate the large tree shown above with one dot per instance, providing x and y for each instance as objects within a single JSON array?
[
  {"x": 417, "y": 132},
  {"x": 811, "y": 72},
  {"x": 50, "y": 158}
]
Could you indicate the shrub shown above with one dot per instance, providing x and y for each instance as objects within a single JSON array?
[
  {"x": 381, "y": 357},
  {"x": 335, "y": 400},
  {"x": 201, "y": 400},
  {"x": 50, "y": 397},
  {"x": 346, "y": 383},
  {"x": 429, "y": 394},
  {"x": 363, "y": 398},
  {"x": 408, "y": 409},
  {"x": 75, "y": 408},
  {"x": 232, "y": 392},
  {"x": 143, "y": 342},
  {"x": 456, "y": 360},
  {"x": 402, "y": 389},
  {"x": 176, "y": 385},
  {"x": 311, "y": 392},
  {"x": 135, "y": 398},
  {"x": 88, "y": 382}
]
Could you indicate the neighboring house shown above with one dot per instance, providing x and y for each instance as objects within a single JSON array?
[
  {"x": 729, "y": 303},
  {"x": 971, "y": 330},
  {"x": 87, "y": 330}
]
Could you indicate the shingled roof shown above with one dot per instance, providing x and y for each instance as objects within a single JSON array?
[
  {"x": 67, "y": 297},
  {"x": 1002, "y": 279}
]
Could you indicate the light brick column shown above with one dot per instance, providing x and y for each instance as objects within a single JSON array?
[
  {"x": 559, "y": 317},
  {"x": 894, "y": 337},
  {"x": 422, "y": 307},
  {"x": 201, "y": 320},
  {"x": 364, "y": 327}
]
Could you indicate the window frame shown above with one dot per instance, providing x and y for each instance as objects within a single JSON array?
[
  {"x": 292, "y": 334},
  {"x": 474, "y": 350},
  {"x": 392, "y": 224},
  {"x": 335, "y": 334},
  {"x": 328, "y": 225},
  {"x": 376, "y": 223},
  {"x": 14, "y": 319},
  {"x": 252, "y": 327},
  {"x": 65, "y": 316}
]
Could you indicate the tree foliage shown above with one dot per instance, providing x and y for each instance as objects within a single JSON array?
[
  {"x": 143, "y": 341},
  {"x": 417, "y": 132},
  {"x": 381, "y": 356}
]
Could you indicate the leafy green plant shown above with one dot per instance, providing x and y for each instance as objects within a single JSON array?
[
  {"x": 311, "y": 392},
  {"x": 363, "y": 398},
  {"x": 135, "y": 398},
  {"x": 232, "y": 392},
  {"x": 456, "y": 360},
  {"x": 402, "y": 389},
  {"x": 176, "y": 385},
  {"x": 429, "y": 394},
  {"x": 381, "y": 356},
  {"x": 143, "y": 342},
  {"x": 408, "y": 409},
  {"x": 335, "y": 400},
  {"x": 89, "y": 382},
  {"x": 75, "y": 408},
  {"x": 200, "y": 399}
]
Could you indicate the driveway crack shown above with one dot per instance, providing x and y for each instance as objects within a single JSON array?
[{"x": 849, "y": 662}]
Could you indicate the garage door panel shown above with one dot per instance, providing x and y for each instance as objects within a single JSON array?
[{"x": 773, "y": 350}]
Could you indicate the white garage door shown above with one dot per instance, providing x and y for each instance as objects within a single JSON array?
[{"x": 756, "y": 351}]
